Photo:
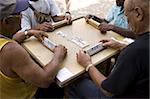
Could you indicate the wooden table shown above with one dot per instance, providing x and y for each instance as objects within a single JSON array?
[{"x": 70, "y": 69}]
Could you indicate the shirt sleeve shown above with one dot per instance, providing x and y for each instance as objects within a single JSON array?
[
  {"x": 110, "y": 15},
  {"x": 25, "y": 21},
  {"x": 123, "y": 74},
  {"x": 54, "y": 8}
]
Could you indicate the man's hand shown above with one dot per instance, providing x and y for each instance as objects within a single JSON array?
[
  {"x": 88, "y": 17},
  {"x": 38, "y": 34},
  {"x": 83, "y": 58},
  {"x": 46, "y": 26},
  {"x": 60, "y": 53},
  {"x": 68, "y": 18},
  {"x": 113, "y": 43},
  {"x": 104, "y": 27}
]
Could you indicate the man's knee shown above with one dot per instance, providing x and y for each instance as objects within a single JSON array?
[{"x": 84, "y": 89}]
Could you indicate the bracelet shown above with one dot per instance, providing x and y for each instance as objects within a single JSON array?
[
  {"x": 26, "y": 34},
  {"x": 88, "y": 67}
]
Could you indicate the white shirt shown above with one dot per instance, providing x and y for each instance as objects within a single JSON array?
[{"x": 28, "y": 19}]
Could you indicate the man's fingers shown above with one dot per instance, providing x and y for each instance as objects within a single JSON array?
[
  {"x": 41, "y": 35},
  {"x": 40, "y": 38},
  {"x": 68, "y": 18},
  {"x": 104, "y": 40},
  {"x": 44, "y": 34},
  {"x": 88, "y": 16},
  {"x": 102, "y": 29},
  {"x": 47, "y": 24},
  {"x": 107, "y": 44},
  {"x": 103, "y": 32}
]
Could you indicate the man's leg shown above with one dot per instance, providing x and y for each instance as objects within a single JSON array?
[
  {"x": 84, "y": 89},
  {"x": 52, "y": 92}
]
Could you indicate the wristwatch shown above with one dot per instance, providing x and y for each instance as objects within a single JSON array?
[{"x": 26, "y": 34}]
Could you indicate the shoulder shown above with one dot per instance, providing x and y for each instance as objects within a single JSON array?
[
  {"x": 114, "y": 7},
  {"x": 12, "y": 52},
  {"x": 130, "y": 50},
  {"x": 11, "y": 46},
  {"x": 141, "y": 43},
  {"x": 135, "y": 50},
  {"x": 27, "y": 12}
]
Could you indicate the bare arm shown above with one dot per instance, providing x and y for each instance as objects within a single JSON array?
[
  {"x": 104, "y": 27},
  {"x": 67, "y": 16},
  {"x": 20, "y": 36},
  {"x": 122, "y": 31},
  {"x": 85, "y": 60},
  {"x": 58, "y": 18},
  {"x": 45, "y": 26},
  {"x": 114, "y": 43},
  {"x": 95, "y": 18},
  {"x": 98, "y": 78},
  {"x": 21, "y": 63}
]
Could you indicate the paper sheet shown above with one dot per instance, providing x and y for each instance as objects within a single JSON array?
[
  {"x": 64, "y": 74},
  {"x": 128, "y": 40}
]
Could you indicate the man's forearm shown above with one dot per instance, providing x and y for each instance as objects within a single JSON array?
[
  {"x": 58, "y": 18},
  {"x": 98, "y": 78},
  {"x": 52, "y": 68},
  {"x": 19, "y": 37},
  {"x": 123, "y": 32}
]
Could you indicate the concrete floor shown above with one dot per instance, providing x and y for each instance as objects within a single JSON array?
[{"x": 84, "y": 7}]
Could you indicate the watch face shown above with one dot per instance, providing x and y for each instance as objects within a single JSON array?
[{"x": 26, "y": 33}]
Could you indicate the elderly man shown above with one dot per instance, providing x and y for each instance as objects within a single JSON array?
[
  {"x": 41, "y": 14},
  {"x": 130, "y": 75},
  {"x": 20, "y": 76},
  {"x": 115, "y": 20}
]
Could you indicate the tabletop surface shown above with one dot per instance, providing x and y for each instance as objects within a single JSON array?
[{"x": 70, "y": 68}]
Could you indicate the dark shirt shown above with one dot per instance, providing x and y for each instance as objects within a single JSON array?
[{"x": 130, "y": 76}]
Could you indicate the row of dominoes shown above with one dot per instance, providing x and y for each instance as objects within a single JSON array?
[{"x": 78, "y": 41}]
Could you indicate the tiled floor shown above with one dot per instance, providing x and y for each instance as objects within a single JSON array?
[{"x": 84, "y": 7}]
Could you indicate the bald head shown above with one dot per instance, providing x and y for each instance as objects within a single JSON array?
[
  {"x": 141, "y": 2},
  {"x": 144, "y": 4},
  {"x": 137, "y": 12}
]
